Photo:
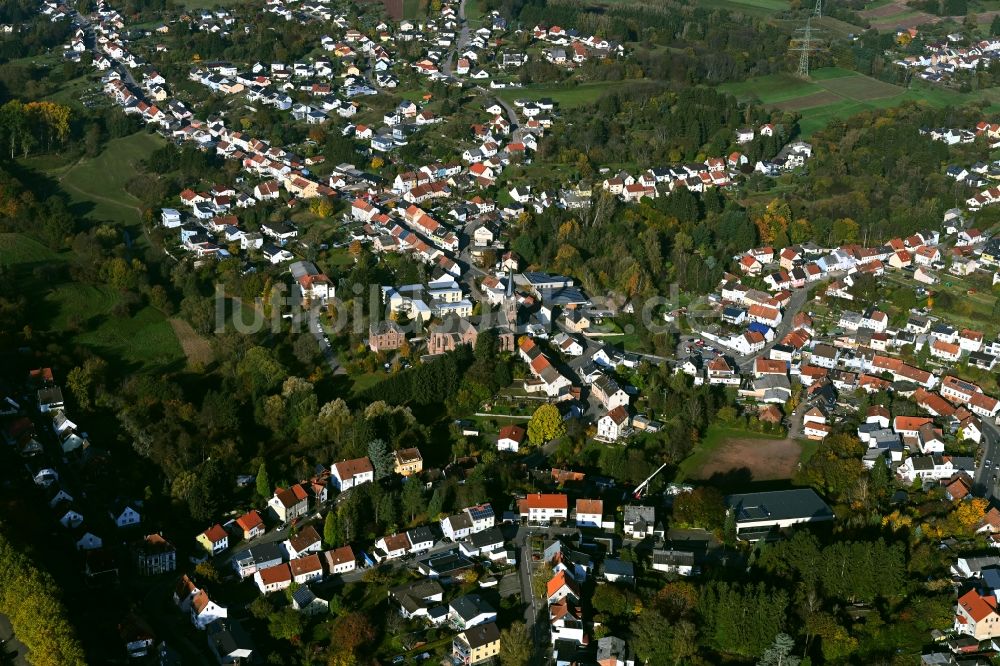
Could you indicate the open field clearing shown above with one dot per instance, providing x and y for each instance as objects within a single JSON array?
[
  {"x": 832, "y": 94},
  {"x": 97, "y": 185},
  {"x": 196, "y": 348},
  {"x": 731, "y": 448},
  {"x": 766, "y": 459},
  {"x": 749, "y": 7},
  {"x": 142, "y": 339}
]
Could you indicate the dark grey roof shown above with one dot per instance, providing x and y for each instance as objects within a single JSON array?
[
  {"x": 611, "y": 646},
  {"x": 481, "y": 635},
  {"x": 227, "y": 636},
  {"x": 485, "y": 538},
  {"x": 673, "y": 557},
  {"x": 444, "y": 563},
  {"x": 264, "y": 552},
  {"x": 470, "y": 606},
  {"x": 616, "y": 567},
  {"x": 303, "y": 596},
  {"x": 420, "y": 534},
  {"x": 779, "y": 505}
]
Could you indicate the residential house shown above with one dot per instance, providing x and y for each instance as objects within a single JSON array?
[
  {"x": 123, "y": 514},
  {"x": 204, "y": 611},
  {"x": 256, "y": 558},
  {"x": 476, "y": 645},
  {"x": 290, "y": 503},
  {"x": 340, "y": 560},
  {"x": 510, "y": 438},
  {"x": 678, "y": 562},
  {"x": 543, "y": 508},
  {"x": 408, "y": 462},
  {"x": 214, "y": 540},
  {"x": 619, "y": 571},
  {"x": 350, "y": 473},
  {"x": 589, "y": 513},
  {"x": 303, "y": 543},
  {"x": 385, "y": 336},
  {"x": 469, "y": 611},
  {"x": 562, "y": 585},
  {"x": 421, "y": 539},
  {"x": 155, "y": 555},
  {"x": 416, "y": 597},
  {"x": 976, "y": 615},
  {"x": 614, "y": 425},
  {"x": 274, "y": 578},
  {"x": 392, "y": 546},
  {"x": 482, "y": 544},
  {"x": 639, "y": 521},
  {"x": 251, "y": 524},
  {"x": 306, "y": 569}
]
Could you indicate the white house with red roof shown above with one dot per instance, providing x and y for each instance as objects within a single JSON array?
[
  {"x": 510, "y": 438},
  {"x": 347, "y": 474},
  {"x": 544, "y": 507},
  {"x": 976, "y": 615}
]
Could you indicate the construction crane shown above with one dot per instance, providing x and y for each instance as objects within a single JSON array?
[{"x": 637, "y": 493}]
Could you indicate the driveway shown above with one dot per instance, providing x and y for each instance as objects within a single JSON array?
[{"x": 13, "y": 650}]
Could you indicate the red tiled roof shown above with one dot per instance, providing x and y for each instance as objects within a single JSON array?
[
  {"x": 279, "y": 573},
  {"x": 546, "y": 501},
  {"x": 513, "y": 432},
  {"x": 215, "y": 533},
  {"x": 977, "y": 606},
  {"x": 249, "y": 521}
]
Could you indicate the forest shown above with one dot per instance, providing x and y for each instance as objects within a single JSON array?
[{"x": 723, "y": 45}]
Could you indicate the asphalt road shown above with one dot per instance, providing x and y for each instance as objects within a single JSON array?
[
  {"x": 986, "y": 481},
  {"x": 463, "y": 39}
]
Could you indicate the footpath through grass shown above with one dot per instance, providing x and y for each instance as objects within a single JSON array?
[{"x": 97, "y": 185}]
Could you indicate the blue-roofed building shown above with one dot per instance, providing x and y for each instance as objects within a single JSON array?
[
  {"x": 734, "y": 315},
  {"x": 763, "y": 329},
  {"x": 991, "y": 578}
]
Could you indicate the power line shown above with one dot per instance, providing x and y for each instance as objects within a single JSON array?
[{"x": 805, "y": 46}]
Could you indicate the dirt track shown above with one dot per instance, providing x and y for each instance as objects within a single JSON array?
[
  {"x": 196, "y": 348},
  {"x": 767, "y": 459}
]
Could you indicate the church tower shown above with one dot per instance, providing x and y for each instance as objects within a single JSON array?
[{"x": 510, "y": 304}]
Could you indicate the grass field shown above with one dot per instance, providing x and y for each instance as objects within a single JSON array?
[
  {"x": 411, "y": 8},
  {"x": 473, "y": 14},
  {"x": 23, "y": 253},
  {"x": 144, "y": 339},
  {"x": 566, "y": 97},
  {"x": 97, "y": 185},
  {"x": 833, "y": 93},
  {"x": 759, "y": 8},
  {"x": 768, "y": 457}
]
